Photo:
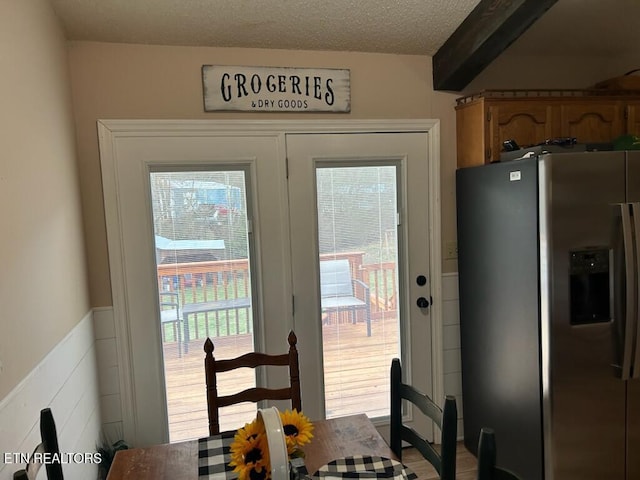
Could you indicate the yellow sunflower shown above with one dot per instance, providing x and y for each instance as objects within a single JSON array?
[
  {"x": 297, "y": 429},
  {"x": 252, "y": 429},
  {"x": 249, "y": 453}
]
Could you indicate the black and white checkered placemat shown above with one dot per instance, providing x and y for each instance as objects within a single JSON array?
[
  {"x": 214, "y": 455},
  {"x": 365, "y": 466}
]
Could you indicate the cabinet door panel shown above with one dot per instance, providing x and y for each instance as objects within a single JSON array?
[
  {"x": 592, "y": 122},
  {"x": 528, "y": 123},
  {"x": 471, "y": 135},
  {"x": 633, "y": 118}
]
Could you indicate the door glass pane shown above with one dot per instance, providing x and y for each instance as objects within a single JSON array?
[
  {"x": 357, "y": 229},
  {"x": 204, "y": 285}
]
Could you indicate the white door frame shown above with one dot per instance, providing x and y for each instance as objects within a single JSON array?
[{"x": 110, "y": 130}]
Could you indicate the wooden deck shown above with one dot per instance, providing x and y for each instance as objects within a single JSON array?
[{"x": 356, "y": 376}]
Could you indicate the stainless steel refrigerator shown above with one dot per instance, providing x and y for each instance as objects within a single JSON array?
[{"x": 549, "y": 253}]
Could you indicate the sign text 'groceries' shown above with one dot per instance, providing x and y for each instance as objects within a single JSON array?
[{"x": 275, "y": 89}]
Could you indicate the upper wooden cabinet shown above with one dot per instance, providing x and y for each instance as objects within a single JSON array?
[
  {"x": 632, "y": 117},
  {"x": 592, "y": 122},
  {"x": 487, "y": 119}
]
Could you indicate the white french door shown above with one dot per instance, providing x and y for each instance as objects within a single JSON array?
[
  {"x": 361, "y": 199},
  {"x": 131, "y": 165},
  {"x": 301, "y": 185}
]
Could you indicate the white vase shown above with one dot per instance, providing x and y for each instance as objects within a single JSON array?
[{"x": 270, "y": 418}]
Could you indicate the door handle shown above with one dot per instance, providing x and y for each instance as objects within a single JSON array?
[
  {"x": 635, "y": 209},
  {"x": 630, "y": 291},
  {"x": 423, "y": 302}
]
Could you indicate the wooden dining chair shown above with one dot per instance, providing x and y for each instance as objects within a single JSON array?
[
  {"x": 252, "y": 360},
  {"x": 444, "y": 461},
  {"x": 49, "y": 445},
  {"x": 487, "y": 469}
]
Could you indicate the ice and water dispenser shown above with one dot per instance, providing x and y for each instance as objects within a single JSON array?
[{"x": 590, "y": 286}]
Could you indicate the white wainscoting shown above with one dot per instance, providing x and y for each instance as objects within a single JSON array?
[
  {"x": 108, "y": 374},
  {"x": 67, "y": 382},
  {"x": 451, "y": 343}
]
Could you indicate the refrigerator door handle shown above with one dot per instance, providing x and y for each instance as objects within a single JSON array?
[
  {"x": 628, "y": 341},
  {"x": 635, "y": 208}
]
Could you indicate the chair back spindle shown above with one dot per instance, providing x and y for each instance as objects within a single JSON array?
[
  {"x": 487, "y": 452},
  {"x": 49, "y": 445},
  {"x": 446, "y": 419}
]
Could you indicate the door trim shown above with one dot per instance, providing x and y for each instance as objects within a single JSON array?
[{"x": 110, "y": 130}]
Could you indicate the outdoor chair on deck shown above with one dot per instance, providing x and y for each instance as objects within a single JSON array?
[
  {"x": 338, "y": 291},
  {"x": 251, "y": 360},
  {"x": 487, "y": 469},
  {"x": 447, "y": 419},
  {"x": 170, "y": 314},
  {"x": 49, "y": 445}
]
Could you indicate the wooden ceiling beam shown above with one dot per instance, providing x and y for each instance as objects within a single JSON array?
[{"x": 486, "y": 32}]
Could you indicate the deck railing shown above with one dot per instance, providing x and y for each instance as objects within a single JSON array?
[
  {"x": 210, "y": 281},
  {"x": 381, "y": 278},
  {"x": 206, "y": 281}
]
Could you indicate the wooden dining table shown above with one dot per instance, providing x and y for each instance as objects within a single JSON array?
[{"x": 333, "y": 438}]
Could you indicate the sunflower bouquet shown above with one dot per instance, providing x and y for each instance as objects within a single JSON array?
[{"x": 250, "y": 448}]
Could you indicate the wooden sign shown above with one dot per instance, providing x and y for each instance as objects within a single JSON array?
[{"x": 275, "y": 89}]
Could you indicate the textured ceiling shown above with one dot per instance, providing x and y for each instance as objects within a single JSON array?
[
  {"x": 571, "y": 27},
  {"x": 581, "y": 28},
  {"x": 386, "y": 26}
]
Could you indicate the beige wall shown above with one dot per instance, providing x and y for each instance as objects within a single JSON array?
[
  {"x": 549, "y": 71},
  {"x": 43, "y": 283},
  {"x": 163, "y": 82}
]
